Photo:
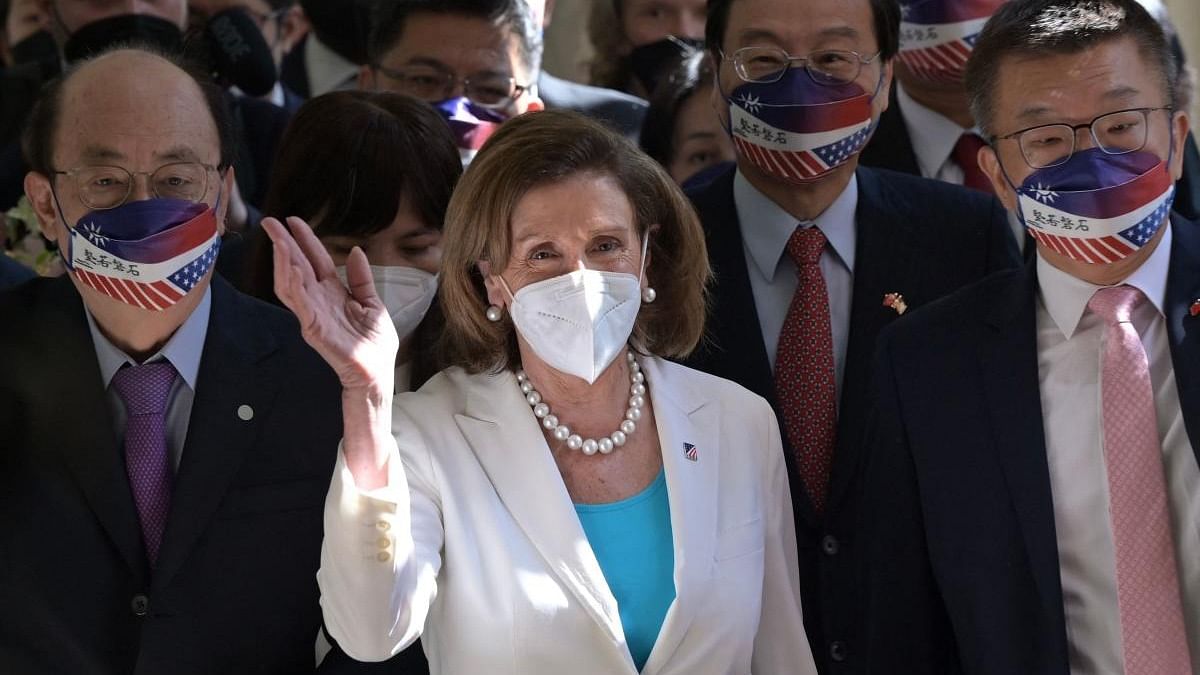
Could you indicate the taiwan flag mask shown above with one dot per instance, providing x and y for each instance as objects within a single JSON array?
[
  {"x": 148, "y": 253},
  {"x": 937, "y": 36}
]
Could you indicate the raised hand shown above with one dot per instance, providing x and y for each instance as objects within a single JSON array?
[{"x": 349, "y": 328}]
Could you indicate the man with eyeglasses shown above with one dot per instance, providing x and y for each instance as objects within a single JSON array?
[
  {"x": 476, "y": 61},
  {"x": 165, "y": 441},
  {"x": 1033, "y": 487},
  {"x": 813, "y": 255}
]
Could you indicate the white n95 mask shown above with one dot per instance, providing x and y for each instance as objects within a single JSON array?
[
  {"x": 406, "y": 293},
  {"x": 577, "y": 323}
]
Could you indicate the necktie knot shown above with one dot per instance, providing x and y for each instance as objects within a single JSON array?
[
  {"x": 145, "y": 388},
  {"x": 805, "y": 245},
  {"x": 1116, "y": 304}
]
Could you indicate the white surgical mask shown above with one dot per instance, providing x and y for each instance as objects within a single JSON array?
[
  {"x": 406, "y": 292},
  {"x": 578, "y": 322}
]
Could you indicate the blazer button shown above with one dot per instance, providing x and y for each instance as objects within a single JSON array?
[
  {"x": 829, "y": 544},
  {"x": 140, "y": 605},
  {"x": 837, "y": 651}
]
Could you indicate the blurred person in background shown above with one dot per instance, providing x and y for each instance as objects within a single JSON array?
[
  {"x": 682, "y": 131},
  {"x": 638, "y": 42},
  {"x": 475, "y": 61},
  {"x": 329, "y": 56}
]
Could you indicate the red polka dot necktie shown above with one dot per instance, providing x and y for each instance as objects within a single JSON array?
[
  {"x": 1153, "y": 635},
  {"x": 145, "y": 390},
  {"x": 804, "y": 378},
  {"x": 966, "y": 156}
]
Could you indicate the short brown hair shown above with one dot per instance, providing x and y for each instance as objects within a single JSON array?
[
  {"x": 543, "y": 148},
  {"x": 1050, "y": 27}
]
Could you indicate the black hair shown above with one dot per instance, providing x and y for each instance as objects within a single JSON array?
[
  {"x": 658, "y": 128},
  {"x": 886, "y": 15},
  {"x": 41, "y": 127},
  {"x": 390, "y": 17},
  {"x": 1050, "y": 27}
]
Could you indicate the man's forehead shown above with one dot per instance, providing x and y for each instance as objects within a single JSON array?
[
  {"x": 457, "y": 41},
  {"x": 823, "y": 20}
]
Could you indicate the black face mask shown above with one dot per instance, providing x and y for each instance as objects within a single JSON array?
[
  {"x": 652, "y": 62},
  {"x": 132, "y": 28},
  {"x": 343, "y": 25}
]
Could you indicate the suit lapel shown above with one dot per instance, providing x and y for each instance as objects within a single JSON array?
[
  {"x": 505, "y": 438},
  {"x": 88, "y": 444},
  {"x": 1009, "y": 372},
  {"x": 886, "y": 261},
  {"x": 1183, "y": 329},
  {"x": 683, "y": 416},
  {"x": 233, "y": 373}
]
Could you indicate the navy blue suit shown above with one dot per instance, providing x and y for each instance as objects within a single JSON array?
[
  {"x": 13, "y": 272},
  {"x": 963, "y": 573},
  {"x": 623, "y": 112},
  {"x": 917, "y": 237},
  {"x": 234, "y": 590}
]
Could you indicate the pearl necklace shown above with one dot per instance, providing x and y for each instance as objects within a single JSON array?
[{"x": 591, "y": 446}]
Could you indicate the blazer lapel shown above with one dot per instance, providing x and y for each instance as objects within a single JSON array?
[
  {"x": 233, "y": 373},
  {"x": 510, "y": 447},
  {"x": 886, "y": 260},
  {"x": 88, "y": 443},
  {"x": 1183, "y": 329},
  {"x": 683, "y": 416},
  {"x": 1009, "y": 373}
]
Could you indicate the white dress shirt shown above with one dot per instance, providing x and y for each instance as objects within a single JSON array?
[
  {"x": 933, "y": 138},
  {"x": 327, "y": 70},
  {"x": 475, "y": 546},
  {"x": 1069, "y": 352},
  {"x": 766, "y": 228}
]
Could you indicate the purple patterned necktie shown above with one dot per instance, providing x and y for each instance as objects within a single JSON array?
[{"x": 145, "y": 390}]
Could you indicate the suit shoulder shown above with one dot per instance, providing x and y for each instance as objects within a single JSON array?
[
  {"x": 726, "y": 392},
  {"x": 915, "y": 192},
  {"x": 949, "y": 318}
]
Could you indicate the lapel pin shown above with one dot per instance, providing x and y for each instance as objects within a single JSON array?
[
  {"x": 896, "y": 302},
  {"x": 691, "y": 452},
  {"x": 1194, "y": 310},
  {"x": 245, "y": 413}
]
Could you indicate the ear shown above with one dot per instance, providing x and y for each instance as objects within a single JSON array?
[
  {"x": 366, "y": 78},
  {"x": 990, "y": 163},
  {"x": 41, "y": 197},
  {"x": 496, "y": 294},
  {"x": 884, "y": 97},
  {"x": 1180, "y": 126},
  {"x": 229, "y": 192}
]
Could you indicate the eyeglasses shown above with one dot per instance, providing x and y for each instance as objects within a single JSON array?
[
  {"x": 107, "y": 187},
  {"x": 433, "y": 84},
  {"x": 764, "y": 65},
  {"x": 1115, "y": 133}
]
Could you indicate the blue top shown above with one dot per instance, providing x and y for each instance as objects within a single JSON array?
[{"x": 632, "y": 541}]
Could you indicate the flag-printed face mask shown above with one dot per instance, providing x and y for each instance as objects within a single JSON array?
[
  {"x": 471, "y": 124},
  {"x": 1097, "y": 208},
  {"x": 796, "y": 129},
  {"x": 937, "y": 36},
  {"x": 148, "y": 254}
]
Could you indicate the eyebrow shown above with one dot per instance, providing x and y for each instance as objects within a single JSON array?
[
  {"x": 103, "y": 153},
  {"x": 439, "y": 66},
  {"x": 100, "y": 153},
  {"x": 1036, "y": 112},
  {"x": 179, "y": 153},
  {"x": 699, "y": 135}
]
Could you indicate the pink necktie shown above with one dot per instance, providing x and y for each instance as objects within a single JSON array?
[
  {"x": 1153, "y": 636},
  {"x": 804, "y": 378}
]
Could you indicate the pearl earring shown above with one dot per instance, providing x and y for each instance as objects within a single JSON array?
[
  {"x": 493, "y": 313},
  {"x": 648, "y": 295}
]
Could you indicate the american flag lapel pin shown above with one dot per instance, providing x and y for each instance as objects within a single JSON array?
[
  {"x": 896, "y": 302},
  {"x": 1194, "y": 310},
  {"x": 691, "y": 452}
]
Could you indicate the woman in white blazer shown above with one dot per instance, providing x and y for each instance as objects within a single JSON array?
[{"x": 562, "y": 501}]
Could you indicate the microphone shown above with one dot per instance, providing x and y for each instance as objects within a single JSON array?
[{"x": 239, "y": 54}]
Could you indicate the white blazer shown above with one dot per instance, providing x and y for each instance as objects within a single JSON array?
[{"x": 480, "y": 553}]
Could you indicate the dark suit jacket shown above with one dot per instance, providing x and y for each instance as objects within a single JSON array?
[
  {"x": 234, "y": 590},
  {"x": 622, "y": 111},
  {"x": 917, "y": 237},
  {"x": 964, "y": 570},
  {"x": 13, "y": 272},
  {"x": 891, "y": 148}
]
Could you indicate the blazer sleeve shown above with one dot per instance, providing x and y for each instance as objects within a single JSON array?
[
  {"x": 907, "y": 630},
  {"x": 382, "y": 551},
  {"x": 781, "y": 645},
  {"x": 1004, "y": 250}
]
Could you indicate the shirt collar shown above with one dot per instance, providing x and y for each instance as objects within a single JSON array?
[
  {"x": 327, "y": 70},
  {"x": 183, "y": 350},
  {"x": 933, "y": 135},
  {"x": 1066, "y": 297},
  {"x": 766, "y": 227}
]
